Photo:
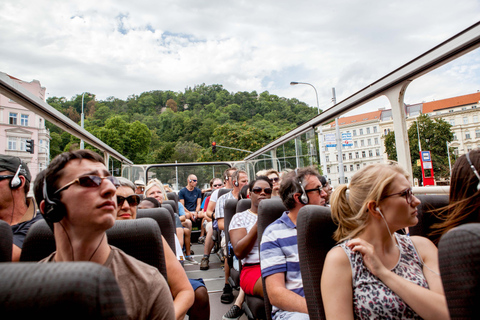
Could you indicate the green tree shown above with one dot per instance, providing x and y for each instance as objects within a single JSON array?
[{"x": 434, "y": 133}]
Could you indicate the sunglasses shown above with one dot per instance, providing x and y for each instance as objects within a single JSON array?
[
  {"x": 319, "y": 189},
  {"x": 133, "y": 200},
  {"x": 258, "y": 190},
  {"x": 217, "y": 185},
  {"x": 408, "y": 194},
  {"x": 3, "y": 177},
  {"x": 90, "y": 181},
  {"x": 272, "y": 180}
]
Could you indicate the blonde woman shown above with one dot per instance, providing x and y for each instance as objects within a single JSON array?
[{"x": 375, "y": 272}]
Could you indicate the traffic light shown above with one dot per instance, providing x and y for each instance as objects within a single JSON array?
[
  {"x": 214, "y": 147},
  {"x": 30, "y": 146}
]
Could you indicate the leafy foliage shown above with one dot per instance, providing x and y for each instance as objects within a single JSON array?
[
  {"x": 166, "y": 126},
  {"x": 433, "y": 137}
]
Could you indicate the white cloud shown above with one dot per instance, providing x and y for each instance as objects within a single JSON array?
[{"x": 118, "y": 48}]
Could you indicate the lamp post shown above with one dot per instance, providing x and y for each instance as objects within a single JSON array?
[
  {"x": 82, "y": 144},
  {"x": 320, "y": 133}
]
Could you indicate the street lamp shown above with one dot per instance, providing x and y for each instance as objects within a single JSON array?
[
  {"x": 82, "y": 144},
  {"x": 320, "y": 133}
]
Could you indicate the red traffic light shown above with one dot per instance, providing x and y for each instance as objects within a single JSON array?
[{"x": 214, "y": 143}]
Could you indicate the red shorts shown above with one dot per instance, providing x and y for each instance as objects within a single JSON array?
[{"x": 249, "y": 276}]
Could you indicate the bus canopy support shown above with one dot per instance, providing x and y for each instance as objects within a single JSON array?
[{"x": 396, "y": 96}]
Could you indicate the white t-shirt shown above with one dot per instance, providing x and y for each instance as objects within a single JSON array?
[{"x": 246, "y": 220}]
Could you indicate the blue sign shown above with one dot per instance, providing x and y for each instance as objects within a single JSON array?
[{"x": 426, "y": 156}]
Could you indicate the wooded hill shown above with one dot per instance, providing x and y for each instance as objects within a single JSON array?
[{"x": 166, "y": 126}]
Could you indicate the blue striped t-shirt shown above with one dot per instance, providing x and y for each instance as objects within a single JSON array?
[{"x": 279, "y": 253}]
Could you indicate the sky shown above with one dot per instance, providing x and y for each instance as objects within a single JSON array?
[{"x": 120, "y": 48}]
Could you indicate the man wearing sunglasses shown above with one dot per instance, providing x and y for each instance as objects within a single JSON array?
[
  {"x": 191, "y": 198},
  {"x": 279, "y": 249},
  {"x": 77, "y": 197},
  {"x": 16, "y": 208}
]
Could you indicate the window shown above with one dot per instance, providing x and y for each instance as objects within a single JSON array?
[
  {"x": 354, "y": 132},
  {"x": 368, "y": 130},
  {"x": 377, "y": 152},
  {"x": 344, "y": 156},
  {"x": 364, "y": 155},
  {"x": 477, "y": 133},
  {"x": 327, "y": 158},
  {"x": 350, "y": 156},
  {"x": 12, "y": 143},
  {"x": 467, "y": 134},
  {"x": 357, "y": 155},
  {"x": 361, "y": 131},
  {"x": 328, "y": 169},
  {"x": 465, "y": 120},
  {"x": 351, "y": 167},
  {"x": 369, "y": 142},
  {"x": 344, "y": 168},
  {"x": 362, "y": 143},
  {"x": 23, "y": 144},
  {"x": 455, "y": 137},
  {"x": 452, "y": 122},
  {"x": 12, "y": 118},
  {"x": 24, "y": 120},
  {"x": 355, "y": 144},
  {"x": 336, "y": 157},
  {"x": 475, "y": 119},
  {"x": 376, "y": 141},
  {"x": 358, "y": 166},
  {"x": 375, "y": 129},
  {"x": 370, "y": 153}
]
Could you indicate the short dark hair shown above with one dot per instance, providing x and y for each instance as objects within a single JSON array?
[
  {"x": 55, "y": 170},
  {"x": 290, "y": 184}
]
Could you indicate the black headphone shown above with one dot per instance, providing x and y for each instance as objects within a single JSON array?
[
  {"x": 16, "y": 182},
  {"x": 304, "y": 197},
  {"x": 54, "y": 209}
]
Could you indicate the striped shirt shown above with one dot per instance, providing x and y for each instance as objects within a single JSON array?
[
  {"x": 279, "y": 253},
  {"x": 220, "y": 207}
]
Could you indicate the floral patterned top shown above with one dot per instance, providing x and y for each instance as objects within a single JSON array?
[{"x": 372, "y": 299}]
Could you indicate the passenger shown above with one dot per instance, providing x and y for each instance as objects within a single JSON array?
[
  {"x": 327, "y": 188},
  {"x": 279, "y": 250},
  {"x": 191, "y": 199},
  {"x": 139, "y": 187},
  {"x": 239, "y": 179},
  {"x": 16, "y": 208},
  {"x": 243, "y": 236},
  {"x": 149, "y": 203},
  {"x": 204, "y": 264},
  {"x": 244, "y": 192},
  {"x": 375, "y": 272},
  {"x": 215, "y": 183},
  {"x": 274, "y": 177},
  {"x": 80, "y": 205},
  {"x": 464, "y": 197}
]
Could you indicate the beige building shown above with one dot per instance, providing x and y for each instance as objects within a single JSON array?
[
  {"x": 368, "y": 132},
  {"x": 18, "y": 124}
]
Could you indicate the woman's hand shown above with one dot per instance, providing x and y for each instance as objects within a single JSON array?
[{"x": 370, "y": 258}]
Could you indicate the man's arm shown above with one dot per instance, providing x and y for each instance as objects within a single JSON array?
[
  {"x": 283, "y": 298},
  {"x": 16, "y": 252}
]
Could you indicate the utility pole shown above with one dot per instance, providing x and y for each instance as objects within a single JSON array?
[{"x": 341, "y": 173}]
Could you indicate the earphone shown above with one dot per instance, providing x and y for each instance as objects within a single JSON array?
[
  {"x": 235, "y": 178},
  {"x": 473, "y": 169},
  {"x": 16, "y": 182},
  {"x": 54, "y": 209},
  {"x": 304, "y": 197}
]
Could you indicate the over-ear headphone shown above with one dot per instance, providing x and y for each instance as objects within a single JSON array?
[
  {"x": 304, "y": 197},
  {"x": 473, "y": 169},
  {"x": 235, "y": 178},
  {"x": 16, "y": 182},
  {"x": 54, "y": 209}
]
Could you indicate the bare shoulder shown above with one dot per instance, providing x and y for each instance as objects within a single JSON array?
[
  {"x": 423, "y": 243},
  {"x": 337, "y": 257}
]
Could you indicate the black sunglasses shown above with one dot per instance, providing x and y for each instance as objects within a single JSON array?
[
  {"x": 319, "y": 189},
  {"x": 408, "y": 194},
  {"x": 6, "y": 177},
  {"x": 258, "y": 190},
  {"x": 133, "y": 200},
  {"x": 90, "y": 181},
  {"x": 276, "y": 179},
  {"x": 217, "y": 185}
]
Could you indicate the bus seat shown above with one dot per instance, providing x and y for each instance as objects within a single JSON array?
[
  {"x": 223, "y": 191},
  {"x": 315, "y": 229},
  {"x": 173, "y": 203},
  {"x": 173, "y": 196},
  {"x": 164, "y": 221},
  {"x": 171, "y": 212},
  {"x": 426, "y": 216},
  {"x": 459, "y": 258},
  {"x": 6, "y": 242},
  {"x": 138, "y": 238},
  {"x": 269, "y": 210},
  {"x": 73, "y": 290},
  {"x": 230, "y": 210}
]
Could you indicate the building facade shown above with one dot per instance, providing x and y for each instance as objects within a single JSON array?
[
  {"x": 368, "y": 132},
  {"x": 18, "y": 124}
]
